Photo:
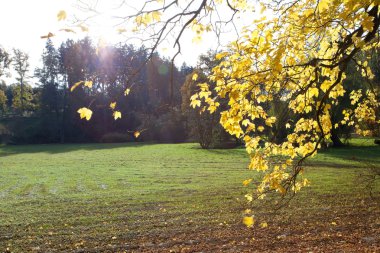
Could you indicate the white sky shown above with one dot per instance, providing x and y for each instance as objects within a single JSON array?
[{"x": 22, "y": 22}]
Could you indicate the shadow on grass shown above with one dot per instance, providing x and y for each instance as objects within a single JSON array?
[
  {"x": 232, "y": 151},
  {"x": 350, "y": 156},
  {"x": 8, "y": 150},
  {"x": 354, "y": 153}
]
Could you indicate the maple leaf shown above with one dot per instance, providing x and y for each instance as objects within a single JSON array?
[
  {"x": 116, "y": 115},
  {"x": 88, "y": 84},
  {"x": 85, "y": 113},
  {"x": 195, "y": 103},
  {"x": 61, "y": 15}
]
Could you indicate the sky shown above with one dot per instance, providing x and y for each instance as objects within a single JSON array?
[{"x": 23, "y": 22}]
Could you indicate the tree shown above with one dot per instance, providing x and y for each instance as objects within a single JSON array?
[
  {"x": 51, "y": 99},
  {"x": 5, "y": 61},
  {"x": 200, "y": 125},
  {"x": 21, "y": 66},
  {"x": 3, "y": 102},
  {"x": 22, "y": 98},
  {"x": 299, "y": 54},
  {"x": 300, "y": 57},
  {"x": 203, "y": 125}
]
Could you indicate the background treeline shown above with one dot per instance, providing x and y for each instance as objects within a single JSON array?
[
  {"x": 39, "y": 107},
  {"x": 46, "y": 111}
]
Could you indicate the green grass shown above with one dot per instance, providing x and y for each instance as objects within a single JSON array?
[{"x": 68, "y": 196}]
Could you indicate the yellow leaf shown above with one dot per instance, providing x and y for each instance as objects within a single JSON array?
[
  {"x": 127, "y": 91},
  {"x": 248, "y": 197},
  {"x": 195, "y": 77},
  {"x": 368, "y": 24},
  {"x": 88, "y": 84},
  {"x": 220, "y": 55},
  {"x": 204, "y": 94},
  {"x": 323, "y": 5},
  {"x": 260, "y": 128},
  {"x": 247, "y": 182},
  {"x": 156, "y": 15},
  {"x": 83, "y": 28},
  {"x": 61, "y": 15},
  {"x": 263, "y": 224},
  {"x": 75, "y": 85},
  {"x": 333, "y": 223},
  {"x": 136, "y": 134},
  {"x": 113, "y": 105},
  {"x": 287, "y": 125},
  {"x": 195, "y": 103},
  {"x": 85, "y": 113},
  {"x": 212, "y": 108},
  {"x": 116, "y": 115},
  {"x": 248, "y": 221}
]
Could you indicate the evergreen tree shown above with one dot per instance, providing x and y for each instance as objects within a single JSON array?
[{"x": 21, "y": 66}]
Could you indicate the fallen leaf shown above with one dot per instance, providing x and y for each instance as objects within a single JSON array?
[{"x": 248, "y": 221}]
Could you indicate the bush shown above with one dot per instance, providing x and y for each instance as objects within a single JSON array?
[{"x": 115, "y": 137}]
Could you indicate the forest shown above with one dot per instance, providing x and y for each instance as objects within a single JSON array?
[{"x": 42, "y": 107}]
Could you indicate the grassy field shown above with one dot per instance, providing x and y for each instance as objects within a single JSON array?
[{"x": 178, "y": 198}]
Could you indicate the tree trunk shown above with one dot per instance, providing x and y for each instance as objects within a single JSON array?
[
  {"x": 62, "y": 132},
  {"x": 335, "y": 138}
]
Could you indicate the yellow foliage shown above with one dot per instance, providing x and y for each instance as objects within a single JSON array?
[
  {"x": 116, "y": 115},
  {"x": 247, "y": 182},
  {"x": 88, "y": 84},
  {"x": 294, "y": 58},
  {"x": 85, "y": 113},
  {"x": 61, "y": 15}
]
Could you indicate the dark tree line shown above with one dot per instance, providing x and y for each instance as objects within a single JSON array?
[{"x": 46, "y": 111}]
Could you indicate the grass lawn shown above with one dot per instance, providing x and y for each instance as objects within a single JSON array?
[{"x": 179, "y": 198}]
